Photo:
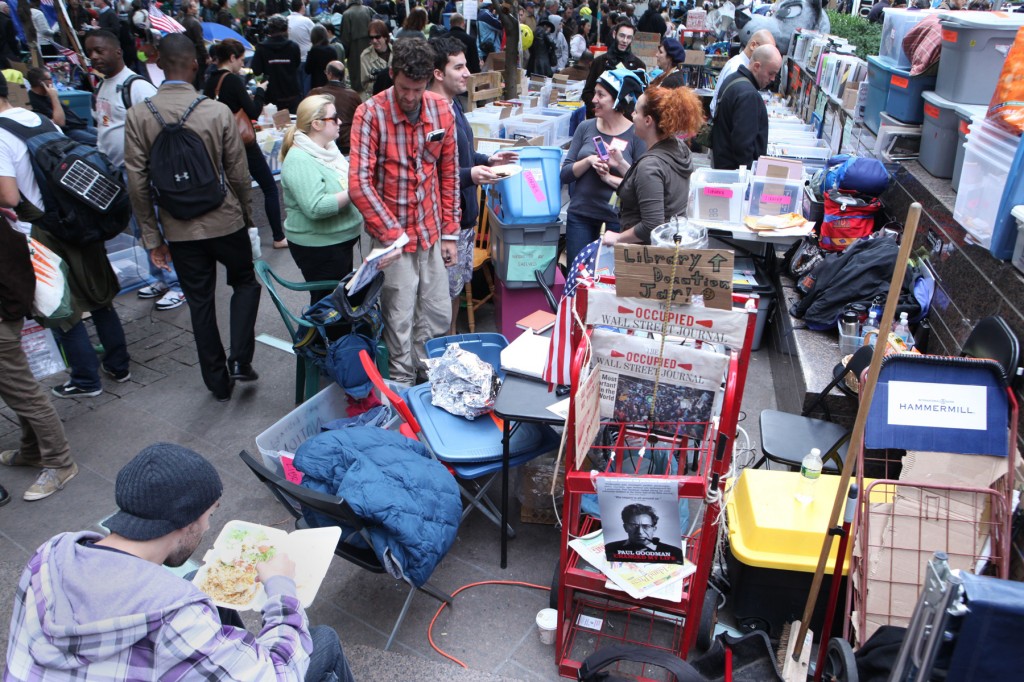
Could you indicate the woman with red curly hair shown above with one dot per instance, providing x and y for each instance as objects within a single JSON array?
[{"x": 657, "y": 186}]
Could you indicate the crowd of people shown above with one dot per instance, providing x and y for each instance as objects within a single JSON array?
[{"x": 379, "y": 145}]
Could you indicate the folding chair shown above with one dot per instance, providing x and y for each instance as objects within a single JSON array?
[
  {"x": 295, "y": 498},
  {"x": 482, "y": 262},
  {"x": 470, "y": 449},
  {"x": 787, "y": 438}
]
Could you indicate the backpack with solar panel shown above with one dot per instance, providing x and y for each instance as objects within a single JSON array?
[{"x": 84, "y": 197}]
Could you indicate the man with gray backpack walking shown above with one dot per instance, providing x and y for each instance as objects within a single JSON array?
[{"x": 199, "y": 181}]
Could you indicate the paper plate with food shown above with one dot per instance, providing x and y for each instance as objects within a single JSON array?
[
  {"x": 506, "y": 170},
  {"x": 228, "y": 573}
]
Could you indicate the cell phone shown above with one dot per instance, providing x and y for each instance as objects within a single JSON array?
[{"x": 602, "y": 149}]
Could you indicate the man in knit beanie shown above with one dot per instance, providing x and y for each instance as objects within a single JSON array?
[{"x": 98, "y": 606}]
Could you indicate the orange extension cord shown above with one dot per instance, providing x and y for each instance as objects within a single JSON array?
[{"x": 430, "y": 628}]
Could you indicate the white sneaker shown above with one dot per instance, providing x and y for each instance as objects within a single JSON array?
[
  {"x": 153, "y": 290},
  {"x": 171, "y": 300}
]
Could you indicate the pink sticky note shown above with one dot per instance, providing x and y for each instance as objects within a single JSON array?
[
  {"x": 774, "y": 199},
  {"x": 718, "y": 192},
  {"x": 531, "y": 182}
]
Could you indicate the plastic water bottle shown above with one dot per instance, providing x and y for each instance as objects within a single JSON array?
[
  {"x": 810, "y": 472},
  {"x": 877, "y": 306},
  {"x": 870, "y": 325},
  {"x": 902, "y": 328}
]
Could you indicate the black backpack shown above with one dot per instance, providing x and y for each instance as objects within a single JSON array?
[
  {"x": 184, "y": 181},
  {"x": 84, "y": 196}
]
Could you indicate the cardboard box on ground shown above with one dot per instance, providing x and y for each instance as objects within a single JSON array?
[{"x": 905, "y": 532}]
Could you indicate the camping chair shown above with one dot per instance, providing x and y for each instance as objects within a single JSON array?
[
  {"x": 304, "y": 335},
  {"x": 470, "y": 449},
  {"x": 993, "y": 339},
  {"x": 290, "y": 495},
  {"x": 787, "y": 438},
  {"x": 481, "y": 261}
]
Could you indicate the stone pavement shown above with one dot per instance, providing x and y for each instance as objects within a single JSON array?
[{"x": 491, "y": 629}]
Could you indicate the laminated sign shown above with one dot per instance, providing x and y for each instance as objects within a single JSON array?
[
  {"x": 726, "y": 327},
  {"x": 677, "y": 275},
  {"x": 688, "y": 382}
]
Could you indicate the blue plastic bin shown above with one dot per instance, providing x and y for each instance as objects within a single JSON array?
[
  {"x": 906, "y": 94},
  {"x": 878, "y": 92},
  {"x": 487, "y": 345},
  {"x": 78, "y": 102},
  {"x": 519, "y": 199}
]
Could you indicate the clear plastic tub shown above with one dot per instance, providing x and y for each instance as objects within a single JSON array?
[
  {"x": 527, "y": 127},
  {"x": 813, "y": 156},
  {"x": 717, "y": 195},
  {"x": 895, "y": 27},
  {"x": 561, "y": 117},
  {"x": 982, "y": 181},
  {"x": 965, "y": 114},
  {"x": 772, "y": 196},
  {"x": 974, "y": 47},
  {"x": 939, "y": 135}
]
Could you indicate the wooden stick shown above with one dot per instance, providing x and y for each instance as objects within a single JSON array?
[{"x": 867, "y": 392}]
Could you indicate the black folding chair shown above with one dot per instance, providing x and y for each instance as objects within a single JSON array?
[{"x": 295, "y": 498}]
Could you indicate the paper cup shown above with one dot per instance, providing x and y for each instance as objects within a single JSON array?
[{"x": 547, "y": 622}]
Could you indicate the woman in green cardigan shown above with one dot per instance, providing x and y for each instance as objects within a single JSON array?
[{"x": 320, "y": 222}]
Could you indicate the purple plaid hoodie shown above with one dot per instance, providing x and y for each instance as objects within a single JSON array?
[{"x": 87, "y": 613}]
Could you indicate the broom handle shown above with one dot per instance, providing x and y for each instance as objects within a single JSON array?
[{"x": 866, "y": 394}]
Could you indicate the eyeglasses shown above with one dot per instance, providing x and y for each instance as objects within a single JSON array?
[
  {"x": 335, "y": 118},
  {"x": 372, "y": 37}
]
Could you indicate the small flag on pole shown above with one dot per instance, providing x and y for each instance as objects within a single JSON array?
[{"x": 71, "y": 55}]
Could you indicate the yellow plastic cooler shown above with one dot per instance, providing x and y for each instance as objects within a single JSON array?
[{"x": 774, "y": 544}]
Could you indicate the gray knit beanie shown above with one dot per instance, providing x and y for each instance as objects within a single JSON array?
[{"x": 163, "y": 488}]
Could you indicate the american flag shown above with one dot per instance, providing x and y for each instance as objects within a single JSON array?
[
  {"x": 162, "y": 22},
  {"x": 560, "y": 351},
  {"x": 70, "y": 55},
  {"x": 48, "y": 3}
]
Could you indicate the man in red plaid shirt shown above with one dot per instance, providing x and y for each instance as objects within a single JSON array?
[{"x": 403, "y": 178}]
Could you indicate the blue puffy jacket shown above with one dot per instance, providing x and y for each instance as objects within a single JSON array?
[{"x": 409, "y": 502}]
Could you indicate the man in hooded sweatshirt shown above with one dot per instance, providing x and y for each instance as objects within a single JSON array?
[{"x": 93, "y": 607}]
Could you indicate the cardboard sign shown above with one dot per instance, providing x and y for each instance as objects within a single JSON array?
[
  {"x": 727, "y": 327},
  {"x": 647, "y": 272},
  {"x": 587, "y": 414}
]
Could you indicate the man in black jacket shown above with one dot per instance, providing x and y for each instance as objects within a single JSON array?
[
  {"x": 449, "y": 81},
  {"x": 458, "y": 31},
  {"x": 279, "y": 59},
  {"x": 740, "y": 133},
  {"x": 619, "y": 52},
  {"x": 651, "y": 21}
]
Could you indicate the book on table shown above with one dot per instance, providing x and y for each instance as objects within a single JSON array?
[
  {"x": 370, "y": 266},
  {"x": 538, "y": 321}
]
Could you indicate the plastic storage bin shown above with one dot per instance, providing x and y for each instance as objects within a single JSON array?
[
  {"x": 129, "y": 261},
  {"x": 974, "y": 46},
  {"x": 717, "y": 195},
  {"x": 982, "y": 181},
  {"x": 1018, "y": 250},
  {"x": 848, "y": 343},
  {"x": 561, "y": 117},
  {"x": 529, "y": 126},
  {"x": 895, "y": 27},
  {"x": 814, "y": 156},
  {"x": 965, "y": 114},
  {"x": 517, "y": 250},
  {"x": 772, "y": 196},
  {"x": 78, "y": 102},
  {"x": 486, "y": 122},
  {"x": 533, "y": 196},
  {"x": 939, "y": 135},
  {"x": 879, "y": 73},
  {"x": 774, "y": 542},
  {"x": 905, "y": 101}
]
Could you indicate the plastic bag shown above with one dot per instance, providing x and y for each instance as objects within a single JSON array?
[
  {"x": 462, "y": 383},
  {"x": 1007, "y": 105},
  {"x": 52, "y": 300}
]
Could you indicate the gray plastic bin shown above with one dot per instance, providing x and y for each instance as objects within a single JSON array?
[
  {"x": 965, "y": 114},
  {"x": 938, "y": 135},
  {"x": 973, "y": 51}
]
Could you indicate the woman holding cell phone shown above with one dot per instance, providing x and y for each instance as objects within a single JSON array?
[{"x": 601, "y": 152}]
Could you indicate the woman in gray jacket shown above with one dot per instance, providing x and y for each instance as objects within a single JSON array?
[{"x": 657, "y": 186}]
